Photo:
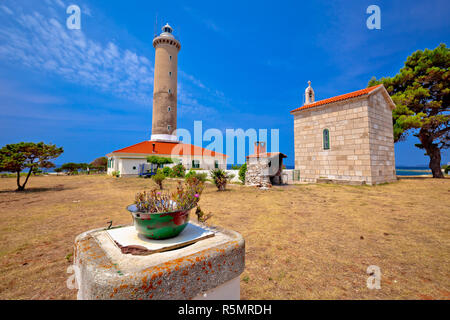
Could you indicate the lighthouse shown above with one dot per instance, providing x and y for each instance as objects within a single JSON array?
[
  {"x": 132, "y": 160},
  {"x": 164, "y": 121}
]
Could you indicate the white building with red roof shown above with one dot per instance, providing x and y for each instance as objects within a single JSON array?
[
  {"x": 347, "y": 138},
  {"x": 164, "y": 143}
]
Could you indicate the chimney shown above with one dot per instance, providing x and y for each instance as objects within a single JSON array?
[{"x": 260, "y": 147}]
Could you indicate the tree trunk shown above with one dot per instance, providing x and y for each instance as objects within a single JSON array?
[
  {"x": 19, "y": 187},
  {"x": 22, "y": 187},
  {"x": 432, "y": 151},
  {"x": 435, "y": 162}
]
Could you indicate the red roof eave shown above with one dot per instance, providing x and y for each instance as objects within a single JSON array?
[
  {"x": 166, "y": 148},
  {"x": 338, "y": 98}
]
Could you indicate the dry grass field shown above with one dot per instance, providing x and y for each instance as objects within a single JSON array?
[{"x": 302, "y": 241}]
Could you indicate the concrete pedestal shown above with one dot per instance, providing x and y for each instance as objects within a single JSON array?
[{"x": 207, "y": 269}]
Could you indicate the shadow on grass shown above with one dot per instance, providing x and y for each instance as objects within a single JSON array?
[{"x": 59, "y": 187}]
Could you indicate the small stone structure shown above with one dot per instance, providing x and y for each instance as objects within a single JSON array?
[
  {"x": 345, "y": 139},
  {"x": 207, "y": 269},
  {"x": 264, "y": 169}
]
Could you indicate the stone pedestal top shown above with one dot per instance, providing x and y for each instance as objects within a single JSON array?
[{"x": 104, "y": 272}]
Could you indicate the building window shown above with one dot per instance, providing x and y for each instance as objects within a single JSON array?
[
  {"x": 216, "y": 164},
  {"x": 170, "y": 73},
  {"x": 169, "y": 127},
  {"x": 111, "y": 163},
  {"x": 169, "y": 109},
  {"x": 326, "y": 139},
  {"x": 134, "y": 168},
  {"x": 170, "y": 90},
  {"x": 170, "y": 57},
  {"x": 195, "y": 164}
]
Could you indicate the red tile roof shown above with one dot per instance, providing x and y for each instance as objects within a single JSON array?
[
  {"x": 167, "y": 148},
  {"x": 338, "y": 98},
  {"x": 266, "y": 155}
]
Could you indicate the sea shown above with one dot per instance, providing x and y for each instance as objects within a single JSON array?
[{"x": 400, "y": 170}]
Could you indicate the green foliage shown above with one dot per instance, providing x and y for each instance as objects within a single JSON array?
[
  {"x": 83, "y": 166},
  {"x": 421, "y": 92},
  {"x": 100, "y": 163},
  {"x": 69, "y": 256},
  {"x": 27, "y": 155},
  {"x": 116, "y": 174},
  {"x": 235, "y": 167},
  {"x": 160, "y": 161},
  {"x": 242, "y": 172},
  {"x": 73, "y": 168},
  {"x": 70, "y": 168},
  {"x": 220, "y": 178},
  {"x": 193, "y": 174},
  {"x": 159, "y": 177},
  {"x": 201, "y": 216},
  {"x": 446, "y": 168},
  {"x": 178, "y": 171},
  {"x": 167, "y": 171}
]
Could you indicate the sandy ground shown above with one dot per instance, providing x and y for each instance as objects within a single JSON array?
[{"x": 302, "y": 241}]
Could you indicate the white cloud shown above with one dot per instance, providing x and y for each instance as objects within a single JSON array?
[
  {"x": 191, "y": 78},
  {"x": 44, "y": 44},
  {"x": 6, "y": 9},
  {"x": 38, "y": 41}
]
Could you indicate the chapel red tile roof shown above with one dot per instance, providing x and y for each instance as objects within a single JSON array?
[
  {"x": 338, "y": 98},
  {"x": 267, "y": 155},
  {"x": 167, "y": 148}
]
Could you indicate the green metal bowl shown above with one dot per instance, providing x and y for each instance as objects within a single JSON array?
[{"x": 159, "y": 225}]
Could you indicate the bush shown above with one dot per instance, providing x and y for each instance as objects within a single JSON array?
[
  {"x": 159, "y": 161},
  {"x": 235, "y": 167},
  {"x": 167, "y": 171},
  {"x": 201, "y": 216},
  {"x": 100, "y": 163},
  {"x": 193, "y": 174},
  {"x": 115, "y": 174},
  {"x": 178, "y": 171},
  {"x": 242, "y": 172},
  {"x": 70, "y": 168},
  {"x": 159, "y": 177},
  {"x": 220, "y": 178},
  {"x": 446, "y": 168}
]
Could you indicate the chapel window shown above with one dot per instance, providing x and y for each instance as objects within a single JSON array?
[{"x": 326, "y": 139}]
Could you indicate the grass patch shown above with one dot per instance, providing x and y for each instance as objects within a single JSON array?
[{"x": 307, "y": 242}]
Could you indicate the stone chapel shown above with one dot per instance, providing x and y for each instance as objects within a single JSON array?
[{"x": 345, "y": 139}]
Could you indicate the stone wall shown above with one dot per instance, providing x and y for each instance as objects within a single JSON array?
[
  {"x": 258, "y": 173},
  {"x": 381, "y": 140},
  {"x": 360, "y": 144}
]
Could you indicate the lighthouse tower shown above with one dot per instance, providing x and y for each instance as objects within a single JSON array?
[{"x": 164, "y": 121}]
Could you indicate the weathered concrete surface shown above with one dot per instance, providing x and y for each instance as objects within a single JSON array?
[{"x": 103, "y": 272}]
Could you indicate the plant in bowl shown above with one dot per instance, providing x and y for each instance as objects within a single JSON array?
[{"x": 161, "y": 214}]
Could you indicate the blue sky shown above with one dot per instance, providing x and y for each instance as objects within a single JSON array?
[{"x": 242, "y": 65}]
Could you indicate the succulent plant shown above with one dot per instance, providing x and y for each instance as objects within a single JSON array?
[{"x": 184, "y": 197}]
